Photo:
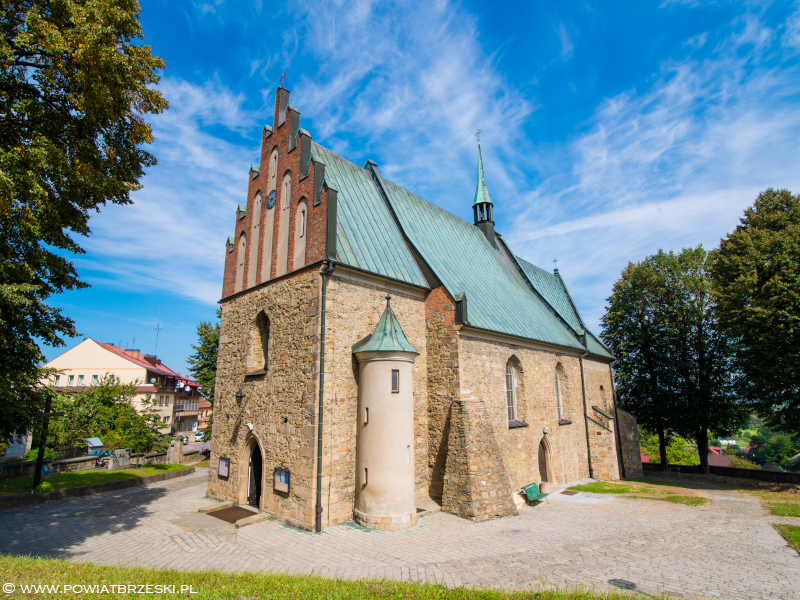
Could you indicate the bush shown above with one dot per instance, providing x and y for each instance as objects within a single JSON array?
[
  {"x": 34, "y": 454},
  {"x": 739, "y": 462},
  {"x": 44, "y": 488}
]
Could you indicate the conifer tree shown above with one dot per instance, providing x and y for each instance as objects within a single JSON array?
[{"x": 203, "y": 363}]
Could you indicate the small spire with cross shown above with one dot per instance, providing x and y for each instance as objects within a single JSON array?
[
  {"x": 283, "y": 78},
  {"x": 555, "y": 265},
  {"x": 478, "y": 135}
]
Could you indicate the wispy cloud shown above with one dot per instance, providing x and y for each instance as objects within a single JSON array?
[
  {"x": 172, "y": 237},
  {"x": 671, "y": 167}
]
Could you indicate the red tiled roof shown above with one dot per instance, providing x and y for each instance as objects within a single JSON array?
[{"x": 159, "y": 367}]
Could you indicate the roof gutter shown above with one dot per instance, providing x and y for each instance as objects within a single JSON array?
[{"x": 326, "y": 270}]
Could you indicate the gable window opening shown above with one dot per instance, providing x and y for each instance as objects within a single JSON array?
[{"x": 395, "y": 381}]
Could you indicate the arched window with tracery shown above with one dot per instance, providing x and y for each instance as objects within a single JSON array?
[
  {"x": 511, "y": 393},
  {"x": 240, "y": 262}
]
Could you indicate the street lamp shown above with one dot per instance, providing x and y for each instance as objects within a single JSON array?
[{"x": 239, "y": 397}]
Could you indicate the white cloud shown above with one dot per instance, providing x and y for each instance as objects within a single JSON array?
[
  {"x": 672, "y": 167},
  {"x": 566, "y": 42},
  {"x": 172, "y": 237}
]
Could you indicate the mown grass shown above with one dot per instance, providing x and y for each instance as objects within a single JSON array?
[
  {"x": 218, "y": 586},
  {"x": 659, "y": 482},
  {"x": 784, "y": 509},
  {"x": 687, "y": 500},
  {"x": 791, "y": 534},
  {"x": 601, "y": 487},
  {"x": 17, "y": 485},
  {"x": 203, "y": 463}
]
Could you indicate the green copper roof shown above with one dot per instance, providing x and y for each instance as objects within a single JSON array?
[
  {"x": 481, "y": 192},
  {"x": 366, "y": 234},
  {"x": 552, "y": 288},
  {"x": 388, "y": 336},
  {"x": 465, "y": 262}
]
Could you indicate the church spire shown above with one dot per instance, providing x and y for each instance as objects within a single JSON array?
[
  {"x": 482, "y": 206},
  {"x": 481, "y": 192}
]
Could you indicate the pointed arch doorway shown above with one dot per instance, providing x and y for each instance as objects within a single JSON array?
[
  {"x": 545, "y": 473},
  {"x": 252, "y": 477}
]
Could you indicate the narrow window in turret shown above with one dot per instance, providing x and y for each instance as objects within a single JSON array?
[{"x": 395, "y": 381}]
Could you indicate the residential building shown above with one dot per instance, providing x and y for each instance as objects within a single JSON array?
[
  {"x": 204, "y": 414},
  {"x": 176, "y": 396}
]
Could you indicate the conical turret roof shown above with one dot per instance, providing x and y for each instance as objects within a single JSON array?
[
  {"x": 481, "y": 192},
  {"x": 388, "y": 336}
]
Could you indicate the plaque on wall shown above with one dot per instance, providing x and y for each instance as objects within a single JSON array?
[{"x": 224, "y": 467}]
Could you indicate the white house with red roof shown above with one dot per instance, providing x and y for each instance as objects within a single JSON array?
[{"x": 177, "y": 397}]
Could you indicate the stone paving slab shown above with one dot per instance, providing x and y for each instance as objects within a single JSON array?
[{"x": 726, "y": 549}]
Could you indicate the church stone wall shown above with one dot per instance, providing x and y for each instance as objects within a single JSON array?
[
  {"x": 602, "y": 431},
  {"x": 482, "y": 376},
  {"x": 442, "y": 346},
  {"x": 280, "y": 404},
  {"x": 354, "y": 307},
  {"x": 631, "y": 453}
]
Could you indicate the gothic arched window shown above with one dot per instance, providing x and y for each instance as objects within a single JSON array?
[
  {"x": 511, "y": 400},
  {"x": 301, "y": 226},
  {"x": 240, "y": 262}
]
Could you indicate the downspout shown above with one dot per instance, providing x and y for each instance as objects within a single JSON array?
[
  {"x": 586, "y": 417},
  {"x": 325, "y": 271},
  {"x": 616, "y": 417}
]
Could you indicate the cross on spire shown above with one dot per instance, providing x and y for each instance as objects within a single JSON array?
[
  {"x": 555, "y": 265},
  {"x": 283, "y": 78},
  {"x": 478, "y": 135}
]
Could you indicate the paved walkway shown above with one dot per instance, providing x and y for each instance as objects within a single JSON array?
[{"x": 727, "y": 549}]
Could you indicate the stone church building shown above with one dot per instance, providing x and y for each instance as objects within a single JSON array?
[{"x": 376, "y": 349}]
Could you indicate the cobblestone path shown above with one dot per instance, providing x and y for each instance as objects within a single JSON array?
[{"x": 727, "y": 549}]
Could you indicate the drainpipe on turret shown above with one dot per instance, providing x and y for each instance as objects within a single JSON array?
[
  {"x": 586, "y": 412},
  {"x": 325, "y": 271}
]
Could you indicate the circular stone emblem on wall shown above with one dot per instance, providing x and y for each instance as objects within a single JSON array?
[{"x": 271, "y": 197}]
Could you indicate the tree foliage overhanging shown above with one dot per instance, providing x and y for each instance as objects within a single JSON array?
[
  {"x": 76, "y": 83},
  {"x": 757, "y": 288}
]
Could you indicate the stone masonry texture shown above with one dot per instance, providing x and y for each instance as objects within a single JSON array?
[{"x": 475, "y": 482}]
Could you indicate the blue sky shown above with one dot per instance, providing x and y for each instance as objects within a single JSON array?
[{"x": 610, "y": 130}]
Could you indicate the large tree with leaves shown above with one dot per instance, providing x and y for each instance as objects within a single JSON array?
[
  {"x": 203, "y": 363},
  {"x": 76, "y": 84},
  {"x": 635, "y": 327},
  {"x": 757, "y": 287},
  {"x": 675, "y": 366}
]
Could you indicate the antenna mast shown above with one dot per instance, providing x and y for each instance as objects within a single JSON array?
[{"x": 158, "y": 330}]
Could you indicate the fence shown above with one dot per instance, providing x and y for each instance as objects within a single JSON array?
[{"x": 773, "y": 476}]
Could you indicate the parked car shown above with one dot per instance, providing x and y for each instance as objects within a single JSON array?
[{"x": 199, "y": 436}]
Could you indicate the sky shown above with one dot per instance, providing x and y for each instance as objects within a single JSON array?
[{"x": 609, "y": 130}]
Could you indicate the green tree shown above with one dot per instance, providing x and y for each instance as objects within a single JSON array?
[
  {"x": 109, "y": 411},
  {"x": 76, "y": 83},
  {"x": 203, "y": 363},
  {"x": 674, "y": 369},
  {"x": 702, "y": 354},
  {"x": 757, "y": 287},
  {"x": 635, "y": 328}
]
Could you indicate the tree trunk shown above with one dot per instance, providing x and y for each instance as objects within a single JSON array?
[
  {"x": 702, "y": 450},
  {"x": 662, "y": 447}
]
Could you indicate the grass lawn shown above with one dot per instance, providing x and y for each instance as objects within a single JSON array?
[
  {"x": 601, "y": 487},
  {"x": 792, "y": 535},
  {"x": 203, "y": 463},
  {"x": 16, "y": 485},
  {"x": 784, "y": 510},
  {"x": 687, "y": 500},
  {"x": 214, "y": 585},
  {"x": 659, "y": 482}
]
